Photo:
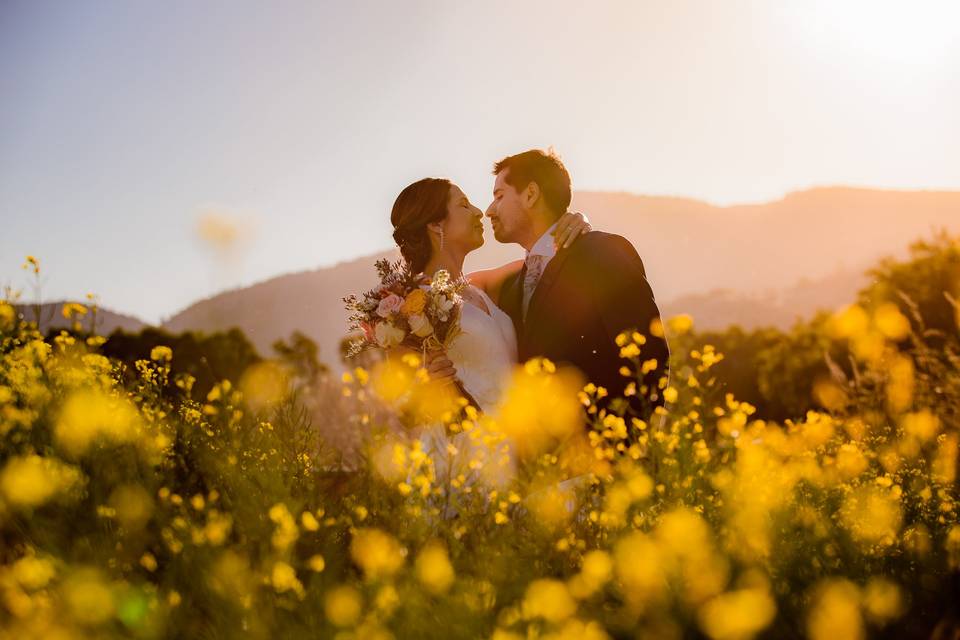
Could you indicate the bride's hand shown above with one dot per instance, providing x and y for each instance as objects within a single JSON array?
[
  {"x": 439, "y": 367},
  {"x": 570, "y": 225}
]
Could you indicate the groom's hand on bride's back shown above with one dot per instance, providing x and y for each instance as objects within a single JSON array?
[
  {"x": 570, "y": 225},
  {"x": 439, "y": 367}
]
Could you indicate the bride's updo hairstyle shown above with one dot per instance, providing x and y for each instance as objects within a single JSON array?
[{"x": 418, "y": 205}]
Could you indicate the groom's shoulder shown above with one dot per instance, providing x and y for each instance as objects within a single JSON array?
[
  {"x": 606, "y": 256},
  {"x": 600, "y": 244}
]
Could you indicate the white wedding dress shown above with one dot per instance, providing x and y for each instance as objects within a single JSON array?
[
  {"x": 485, "y": 351},
  {"x": 484, "y": 354}
]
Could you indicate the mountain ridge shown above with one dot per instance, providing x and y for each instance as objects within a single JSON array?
[
  {"x": 760, "y": 264},
  {"x": 827, "y": 236}
]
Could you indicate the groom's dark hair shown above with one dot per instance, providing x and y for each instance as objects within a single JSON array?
[{"x": 544, "y": 168}]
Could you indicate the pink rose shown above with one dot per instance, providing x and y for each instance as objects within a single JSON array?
[{"x": 389, "y": 305}]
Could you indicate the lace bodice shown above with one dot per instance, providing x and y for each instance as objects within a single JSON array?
[{"x": 485, "y": 351}]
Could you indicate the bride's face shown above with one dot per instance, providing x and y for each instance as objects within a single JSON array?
[{"x": 463, "y": 226}]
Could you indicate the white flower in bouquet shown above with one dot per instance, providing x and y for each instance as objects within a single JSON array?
[
  {"x": 420, "y": 325},
  {"x": 443, "y": 305},
  {"x": 388, "y": 335},
  {"x": 441, "y": 280}
]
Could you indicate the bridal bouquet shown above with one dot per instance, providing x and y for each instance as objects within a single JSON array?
[{"x": 403, "y": 311}]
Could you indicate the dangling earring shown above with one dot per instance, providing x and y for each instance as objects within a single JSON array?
[{"x": 441, "y": 239}]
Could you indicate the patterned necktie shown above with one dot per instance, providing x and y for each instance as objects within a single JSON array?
[{"x": 534, "y": 269}]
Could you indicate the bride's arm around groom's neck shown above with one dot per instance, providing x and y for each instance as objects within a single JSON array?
[{"x": 491, "y": 280}]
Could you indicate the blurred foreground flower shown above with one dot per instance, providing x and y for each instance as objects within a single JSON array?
[
  {"x": 265, "y": 384},
  {"x": 434, "y": 569},
  {"x": 31, "y": 481},
  {"x": 377, "y": 553},
  {"x": 836, "y": 612},
  {"x": 91, "y": 416},
  {"x": 343, "y": 606},
  {"x": 541, "y": 409},
  {"x": 737, "y": 614}
]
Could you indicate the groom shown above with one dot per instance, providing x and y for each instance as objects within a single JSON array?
[{"x": 569, "y": 304}]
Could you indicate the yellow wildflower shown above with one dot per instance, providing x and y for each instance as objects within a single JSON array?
[
  {"x": 921, "y": 425},
  {"x": 88, "y": 416},
  {"x": 343, "y": 606},
  {"x": 31, "y": 263},
  {"x": 597, "y": 568},
  {"x": 680, "y": 324},
  {"x": 434, "y": 570},
  {"x": 548, "y": 599},
  {"x": 836, "y": 612},
  {"x": 7, "y": 315},
  {"x": 309, "y": 521},
  {"x": 148, "y": 562},
  {"x": 286, "y": 532},
  {"x": 30, "y": 481},
  {"x": 161, "y": 353},
  {"x": 882, "y": 600},
  {"x": 872, "y": 515},
  {"x": 133, "y": 506},
  {"x": 33, "y": 572},
  {"x": 88, "y": 597},
  {"x": 890, "y": 322},
  {"x": 316, "y": 563},
  {"x": 377, "y": 553},
  {"x": 737, "y": 614},
  {"x": 71, "y": 309},
  {"x": 284, "y": 578},
  {"x": 849, "y": 322}
]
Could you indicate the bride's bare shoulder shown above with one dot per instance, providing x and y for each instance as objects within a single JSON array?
[{"x": 491, "y": 280}]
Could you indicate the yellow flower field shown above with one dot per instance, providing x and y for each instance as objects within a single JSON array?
[{"x": 132, "y": 507}]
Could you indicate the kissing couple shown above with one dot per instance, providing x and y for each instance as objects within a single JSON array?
[{"x": 576, "y": 290}]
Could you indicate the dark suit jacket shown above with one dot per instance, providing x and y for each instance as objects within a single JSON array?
[{"x": 588, "y": 294}]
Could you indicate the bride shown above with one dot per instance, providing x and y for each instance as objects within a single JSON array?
[{"x": 435, "y": 227}]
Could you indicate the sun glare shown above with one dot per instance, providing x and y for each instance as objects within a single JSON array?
[{"x": 915, "y": 33}]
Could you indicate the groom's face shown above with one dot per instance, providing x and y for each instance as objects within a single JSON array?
[{"x": 507, "y": 213}]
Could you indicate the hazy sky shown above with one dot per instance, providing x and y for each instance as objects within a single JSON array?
[{"x": 122, "y": 122}]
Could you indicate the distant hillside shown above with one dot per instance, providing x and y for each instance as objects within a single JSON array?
[
  {"x": 750, "y": 256},
  {"x": 51, "y": 316},
  {"x": 308, "y": 301},
  {"x": 721, "y": 308},
  {"x": 690, "y": 246}
]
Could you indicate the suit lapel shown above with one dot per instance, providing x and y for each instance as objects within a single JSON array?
[
  {"x": 512, "y": 300},
  {"x": 546, "y": 282}
]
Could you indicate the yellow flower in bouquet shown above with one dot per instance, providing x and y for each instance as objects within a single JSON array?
[{"x": 414, "y": 303}]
